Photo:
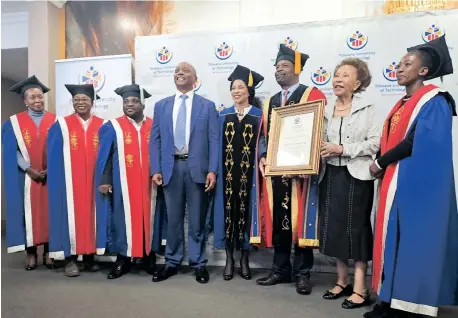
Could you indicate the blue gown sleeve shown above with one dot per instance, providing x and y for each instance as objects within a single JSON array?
[
  {"x": 56, "y": 189},
  {"x": 14, "y": 179},
  {"x": 103, "y": 202},
  {"x": 21, "y": 161}
]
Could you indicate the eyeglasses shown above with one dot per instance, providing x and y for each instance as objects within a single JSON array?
[{"x": 81, "y": 100}]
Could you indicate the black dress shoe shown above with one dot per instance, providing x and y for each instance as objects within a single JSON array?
[
  {"x": 118, "y": 271},
  {"x": 346, "y": 291},
  {"x": 30, "y": 267},
  {"x": 202, "y": 275},
  {"x": 164, "y": 273},
  {"x": 273, "y": 279},
  {"x": 349, "y": 304},
  {"x": 303, "y": 286}
]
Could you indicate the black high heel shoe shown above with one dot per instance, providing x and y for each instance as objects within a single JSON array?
[
  {"x": 228, "y": 271},
  {"x": 346, "y": 291},
  {"x": 245, "y": 272},
  {"x": 48, "y": 266},
  {"x": 29, "y": 267},
  {"x": 349, "y": 304}
]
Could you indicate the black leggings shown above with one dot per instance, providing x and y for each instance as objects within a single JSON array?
[{"x": 33, "y": 249}]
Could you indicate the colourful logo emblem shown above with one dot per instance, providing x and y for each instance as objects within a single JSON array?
[
  {"x": 291, "y": 43},
  {"x": 197, "y": 84},
  {"x": 164, "y": 55},
  {"x": 94, "y": 77},
  {"x": 321, "y": 77},
  {"x": 224, "y": 51},
  {"x": 432, "y": 33},
  {"x": 390, "y": 72},
  {"x": 357, "y": 40}
]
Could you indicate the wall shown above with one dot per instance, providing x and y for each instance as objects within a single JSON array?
[{"x": 11, "y": 104}]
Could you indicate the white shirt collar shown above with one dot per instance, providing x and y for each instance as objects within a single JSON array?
[
  {"x": 246, "y": 110},
  {"x": 291, "y": 89},
  {"x": 190, "y": 94},
  {"x": 134, "y": 122}
]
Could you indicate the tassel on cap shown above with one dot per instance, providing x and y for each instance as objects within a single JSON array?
[
  {"x": 297, "y": 62},
  {"x": 250, "y": 80}
]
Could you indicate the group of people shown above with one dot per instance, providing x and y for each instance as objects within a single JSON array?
[{"x": 82, "y": 185}]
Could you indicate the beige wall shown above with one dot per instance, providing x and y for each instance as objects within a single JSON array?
[{"x": 11, "y": 104}]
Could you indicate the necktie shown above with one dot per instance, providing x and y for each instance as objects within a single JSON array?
[
  {"x": 180, "y": 125},
  {"x": 285, "y": 98}
]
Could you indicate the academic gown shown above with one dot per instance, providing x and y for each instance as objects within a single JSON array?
[
  {"x": 72, "y": 152},
  {"x": 130, "y": 219},
  {"x": 26, "y": 200},
  {"x": 415, "y": 263},
  {"x": 222, "y": 220},
  {"x": 302, "y": 194}
]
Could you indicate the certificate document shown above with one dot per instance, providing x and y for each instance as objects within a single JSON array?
[{"x": 294, "y": 139}]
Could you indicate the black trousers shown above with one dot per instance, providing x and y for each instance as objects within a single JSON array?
[
  {"x": 89, "y": 258},
  {"x": 302, "y": 264}
]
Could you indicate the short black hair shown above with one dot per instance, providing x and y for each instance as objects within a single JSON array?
[{"x": 426, "y": 59}]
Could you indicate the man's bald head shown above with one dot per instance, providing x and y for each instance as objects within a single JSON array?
[{"x": 185, "y": 77}]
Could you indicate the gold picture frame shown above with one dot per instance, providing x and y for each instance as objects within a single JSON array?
[{"x": 289, "y": 130}]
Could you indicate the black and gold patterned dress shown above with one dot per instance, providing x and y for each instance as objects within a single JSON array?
[{"x": 234, "y": 202}]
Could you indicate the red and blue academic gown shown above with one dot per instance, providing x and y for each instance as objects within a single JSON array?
[
  {"x": 415, "y": 262},
  {"x": 225, "y": 182},
  {"x": 72, "y": 152},
  {"x": 304, "y": 192},
  {"x": 26, "y": 200},
  {"x": 129, "y": 221}
]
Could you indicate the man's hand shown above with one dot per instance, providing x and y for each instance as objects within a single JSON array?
[
  {"x": 33, "y": 174},
  {"x": 211, "y": 182},
  {"x": 375, "y": 171},
  {"x": 262, "y": 166},
  {"x": 43, "y": 174},
  {"x": 157, "y": 179},
  {"x": 105, "y": 189},
  {"x": 330, "y": 150}
]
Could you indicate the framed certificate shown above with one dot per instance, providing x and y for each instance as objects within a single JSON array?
[{"x": 295, "y": 138}]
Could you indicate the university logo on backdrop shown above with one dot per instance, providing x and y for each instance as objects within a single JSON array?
[
  {"x": 224, "y": 51},
  {"x": 94, "y": 77},
  {"x": 290, "y": 43},
  {"x": 321, "y": 76},
  {"x": 164, "y": 55},
  {"x": 390, "y": 72},
  {"x": 432, "y": 32},
  {"x": 357, "y": 40}
]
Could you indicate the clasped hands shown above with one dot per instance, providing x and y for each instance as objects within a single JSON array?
[{"x": 36, "y": 175}]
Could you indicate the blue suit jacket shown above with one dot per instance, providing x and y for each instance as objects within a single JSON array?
[{"x": 203, "y": 139}]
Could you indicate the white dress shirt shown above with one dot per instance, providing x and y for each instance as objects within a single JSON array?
[
  {"x": 176, "y": 109},
  {"x": 85, "y": 123},
  {"x": 138, "y": 126},
  {"x": 290, "y": 91}
]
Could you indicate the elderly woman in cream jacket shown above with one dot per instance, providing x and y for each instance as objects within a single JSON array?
[{"x": 351, "y": 139}]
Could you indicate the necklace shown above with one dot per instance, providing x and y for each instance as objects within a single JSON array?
[{"x": 344, "y": 108}]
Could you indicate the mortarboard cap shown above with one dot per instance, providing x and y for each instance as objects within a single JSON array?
[
  {"x": 251, "y": 78},
  {"x": 295, "y": 57},
  {"x": 440, "y": 56},
  {"x": 31, "y": 82},
  {"x": 132, "y": 90},
  {"x": 85, "y": 89}
]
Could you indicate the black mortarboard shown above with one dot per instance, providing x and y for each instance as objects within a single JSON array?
[
  {"x": 86, "y": 89},
  {"x": 440, "y": 56},
  {"x": 31, "y": 82},
  {"x": 132, "y": 90},
  {"x": 251, "y": 78},
  {"x": 295, "y": 57}
]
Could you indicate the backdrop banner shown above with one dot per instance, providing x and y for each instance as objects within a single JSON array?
[
  {"x": 380, "y": 41},
  {"x": 106, "y": 73}
]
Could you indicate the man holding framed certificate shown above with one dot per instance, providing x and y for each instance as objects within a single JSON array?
[{"x": 288, "y": 204}]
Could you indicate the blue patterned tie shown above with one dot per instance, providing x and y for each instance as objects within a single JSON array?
[{"x": 180, "y": 126}]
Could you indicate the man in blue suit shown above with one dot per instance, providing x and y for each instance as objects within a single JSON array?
[{"x": 184, "y": 159}]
